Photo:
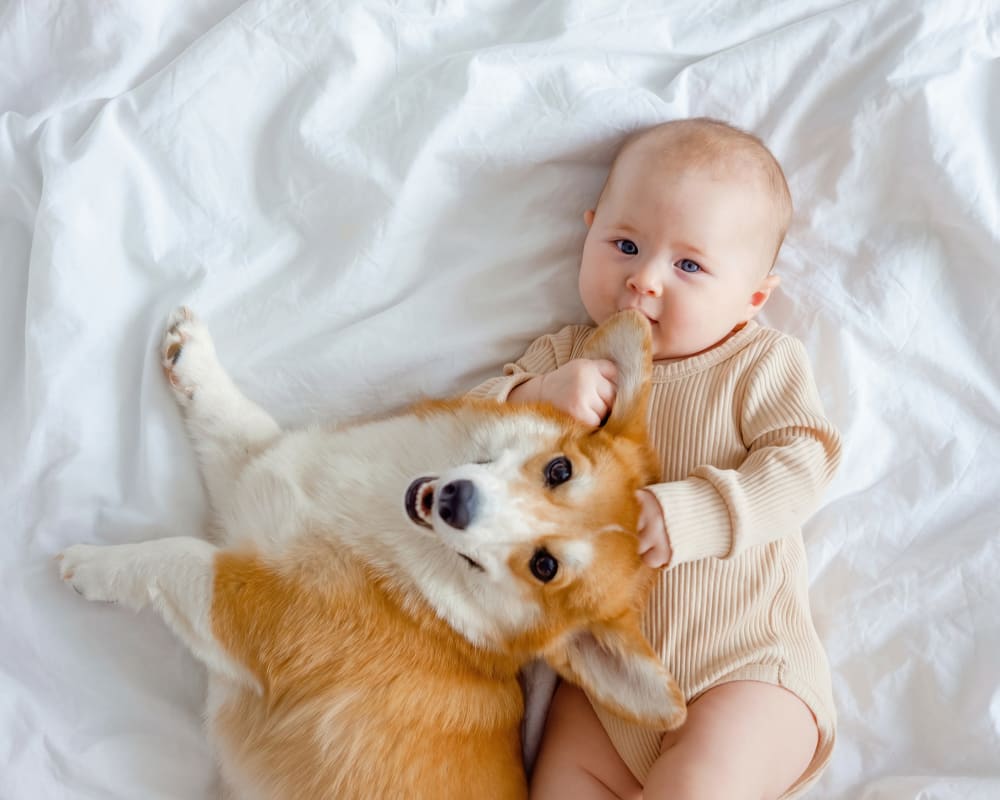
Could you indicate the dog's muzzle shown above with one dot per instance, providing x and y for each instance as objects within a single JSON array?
[
  {"x": 457, "y": 502},
  {"x": 419, "y": 501}
]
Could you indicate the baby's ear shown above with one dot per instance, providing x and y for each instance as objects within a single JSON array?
[
  {"x": 763, "y": 292},
  {"x": 588, "y": 217}
]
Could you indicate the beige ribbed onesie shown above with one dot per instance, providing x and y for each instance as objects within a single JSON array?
[{"x": 745, "y": 453}]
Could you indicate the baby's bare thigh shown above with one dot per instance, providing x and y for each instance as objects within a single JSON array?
[
  {"x": 577, "y": 759},
  {"x": 743, "y": 739}
]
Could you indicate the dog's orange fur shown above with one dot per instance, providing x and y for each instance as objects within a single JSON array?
[
  {"x": 323, "y": 634},
  {"x": 454, "y": 709}
]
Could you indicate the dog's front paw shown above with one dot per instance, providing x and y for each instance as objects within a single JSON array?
[
  {"x": 186, "y": 352},
  {"x": 102, "y": 574}
]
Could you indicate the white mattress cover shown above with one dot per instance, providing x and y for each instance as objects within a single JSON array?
[{"x": 371, "y": 202}]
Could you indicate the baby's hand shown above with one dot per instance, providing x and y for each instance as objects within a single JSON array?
[
  {"x": 583, "y": 387},
  {"x": 654, "y": 543}
]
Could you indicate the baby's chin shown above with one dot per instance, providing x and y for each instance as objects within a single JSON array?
[
  {"x": 664, "y": 351},
  {"x": 605, "y": 316}
]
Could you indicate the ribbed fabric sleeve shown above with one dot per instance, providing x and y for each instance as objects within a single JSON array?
[
  {"x": 545, "y": 354},
  {"x": 792, "y": 452}
]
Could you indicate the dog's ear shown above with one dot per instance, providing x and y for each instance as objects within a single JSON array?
[
  {"x": 616, "y": 666},
  {"x": 626, "y": 339}
]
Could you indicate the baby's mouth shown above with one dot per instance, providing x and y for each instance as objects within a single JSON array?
[{"x": 652, "y": 320}]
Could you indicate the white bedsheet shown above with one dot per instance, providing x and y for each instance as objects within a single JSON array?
[{"x": 372, "y": 201}]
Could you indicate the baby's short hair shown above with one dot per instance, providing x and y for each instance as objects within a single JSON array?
[{"x": 711, "y": 144}]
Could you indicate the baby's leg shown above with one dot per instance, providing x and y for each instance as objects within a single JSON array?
[
  {"x": 577, "y": 760},
  {"x": 743, "y": 739}
]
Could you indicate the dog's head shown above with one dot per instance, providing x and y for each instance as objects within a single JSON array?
[{"x": 539, "y": 518}]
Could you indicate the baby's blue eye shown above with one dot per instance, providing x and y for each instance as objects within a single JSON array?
[
  {"x": 687, "y": 265},
  {"x": 627, "y": 246}
]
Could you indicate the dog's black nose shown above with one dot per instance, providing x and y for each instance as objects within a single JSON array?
[{"x": 457, "y": 503}]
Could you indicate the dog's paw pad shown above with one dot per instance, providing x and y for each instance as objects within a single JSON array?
[
  {"x": 81, "y": 566},
  {"x": 185, "y": 345}
]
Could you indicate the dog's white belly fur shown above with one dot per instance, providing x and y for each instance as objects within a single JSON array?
[{"x": 338, "y": 480}]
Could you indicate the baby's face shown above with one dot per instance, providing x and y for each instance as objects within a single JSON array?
[{"x": 688, "y": 249}]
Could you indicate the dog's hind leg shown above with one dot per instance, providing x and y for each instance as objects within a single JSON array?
[
  {"x": 176, "y": 576},
  {"x": 226, "y": 428}
]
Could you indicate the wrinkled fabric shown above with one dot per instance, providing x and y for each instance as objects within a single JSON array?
[{"x": 373, "y": 202}]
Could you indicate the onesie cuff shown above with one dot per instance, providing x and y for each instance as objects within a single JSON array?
[
  {"x": 696, "y": 518},
  {"x": 499, "y": 388}
]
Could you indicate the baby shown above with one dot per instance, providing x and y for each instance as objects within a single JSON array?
[{"x": 686, "y": 230}]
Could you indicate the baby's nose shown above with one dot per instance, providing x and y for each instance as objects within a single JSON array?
[{"x": 644, "y": 284}]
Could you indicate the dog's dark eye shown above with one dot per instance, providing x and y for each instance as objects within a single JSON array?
[
  {"x": 557, "y": 471},
  {"x": 544, "y": 565}
]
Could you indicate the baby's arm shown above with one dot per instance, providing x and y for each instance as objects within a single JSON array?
[
  {"x": 793, "y": 451},
  {"x": 654, "y": 543},
  {"x": 543, "y": 355},
  {"x": 584, "y": 388}
]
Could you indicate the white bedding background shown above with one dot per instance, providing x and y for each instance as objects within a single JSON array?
[{"x": 377, "y": 200}]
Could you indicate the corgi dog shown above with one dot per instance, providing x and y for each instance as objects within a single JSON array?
[{"x": 372, "y": 590}]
